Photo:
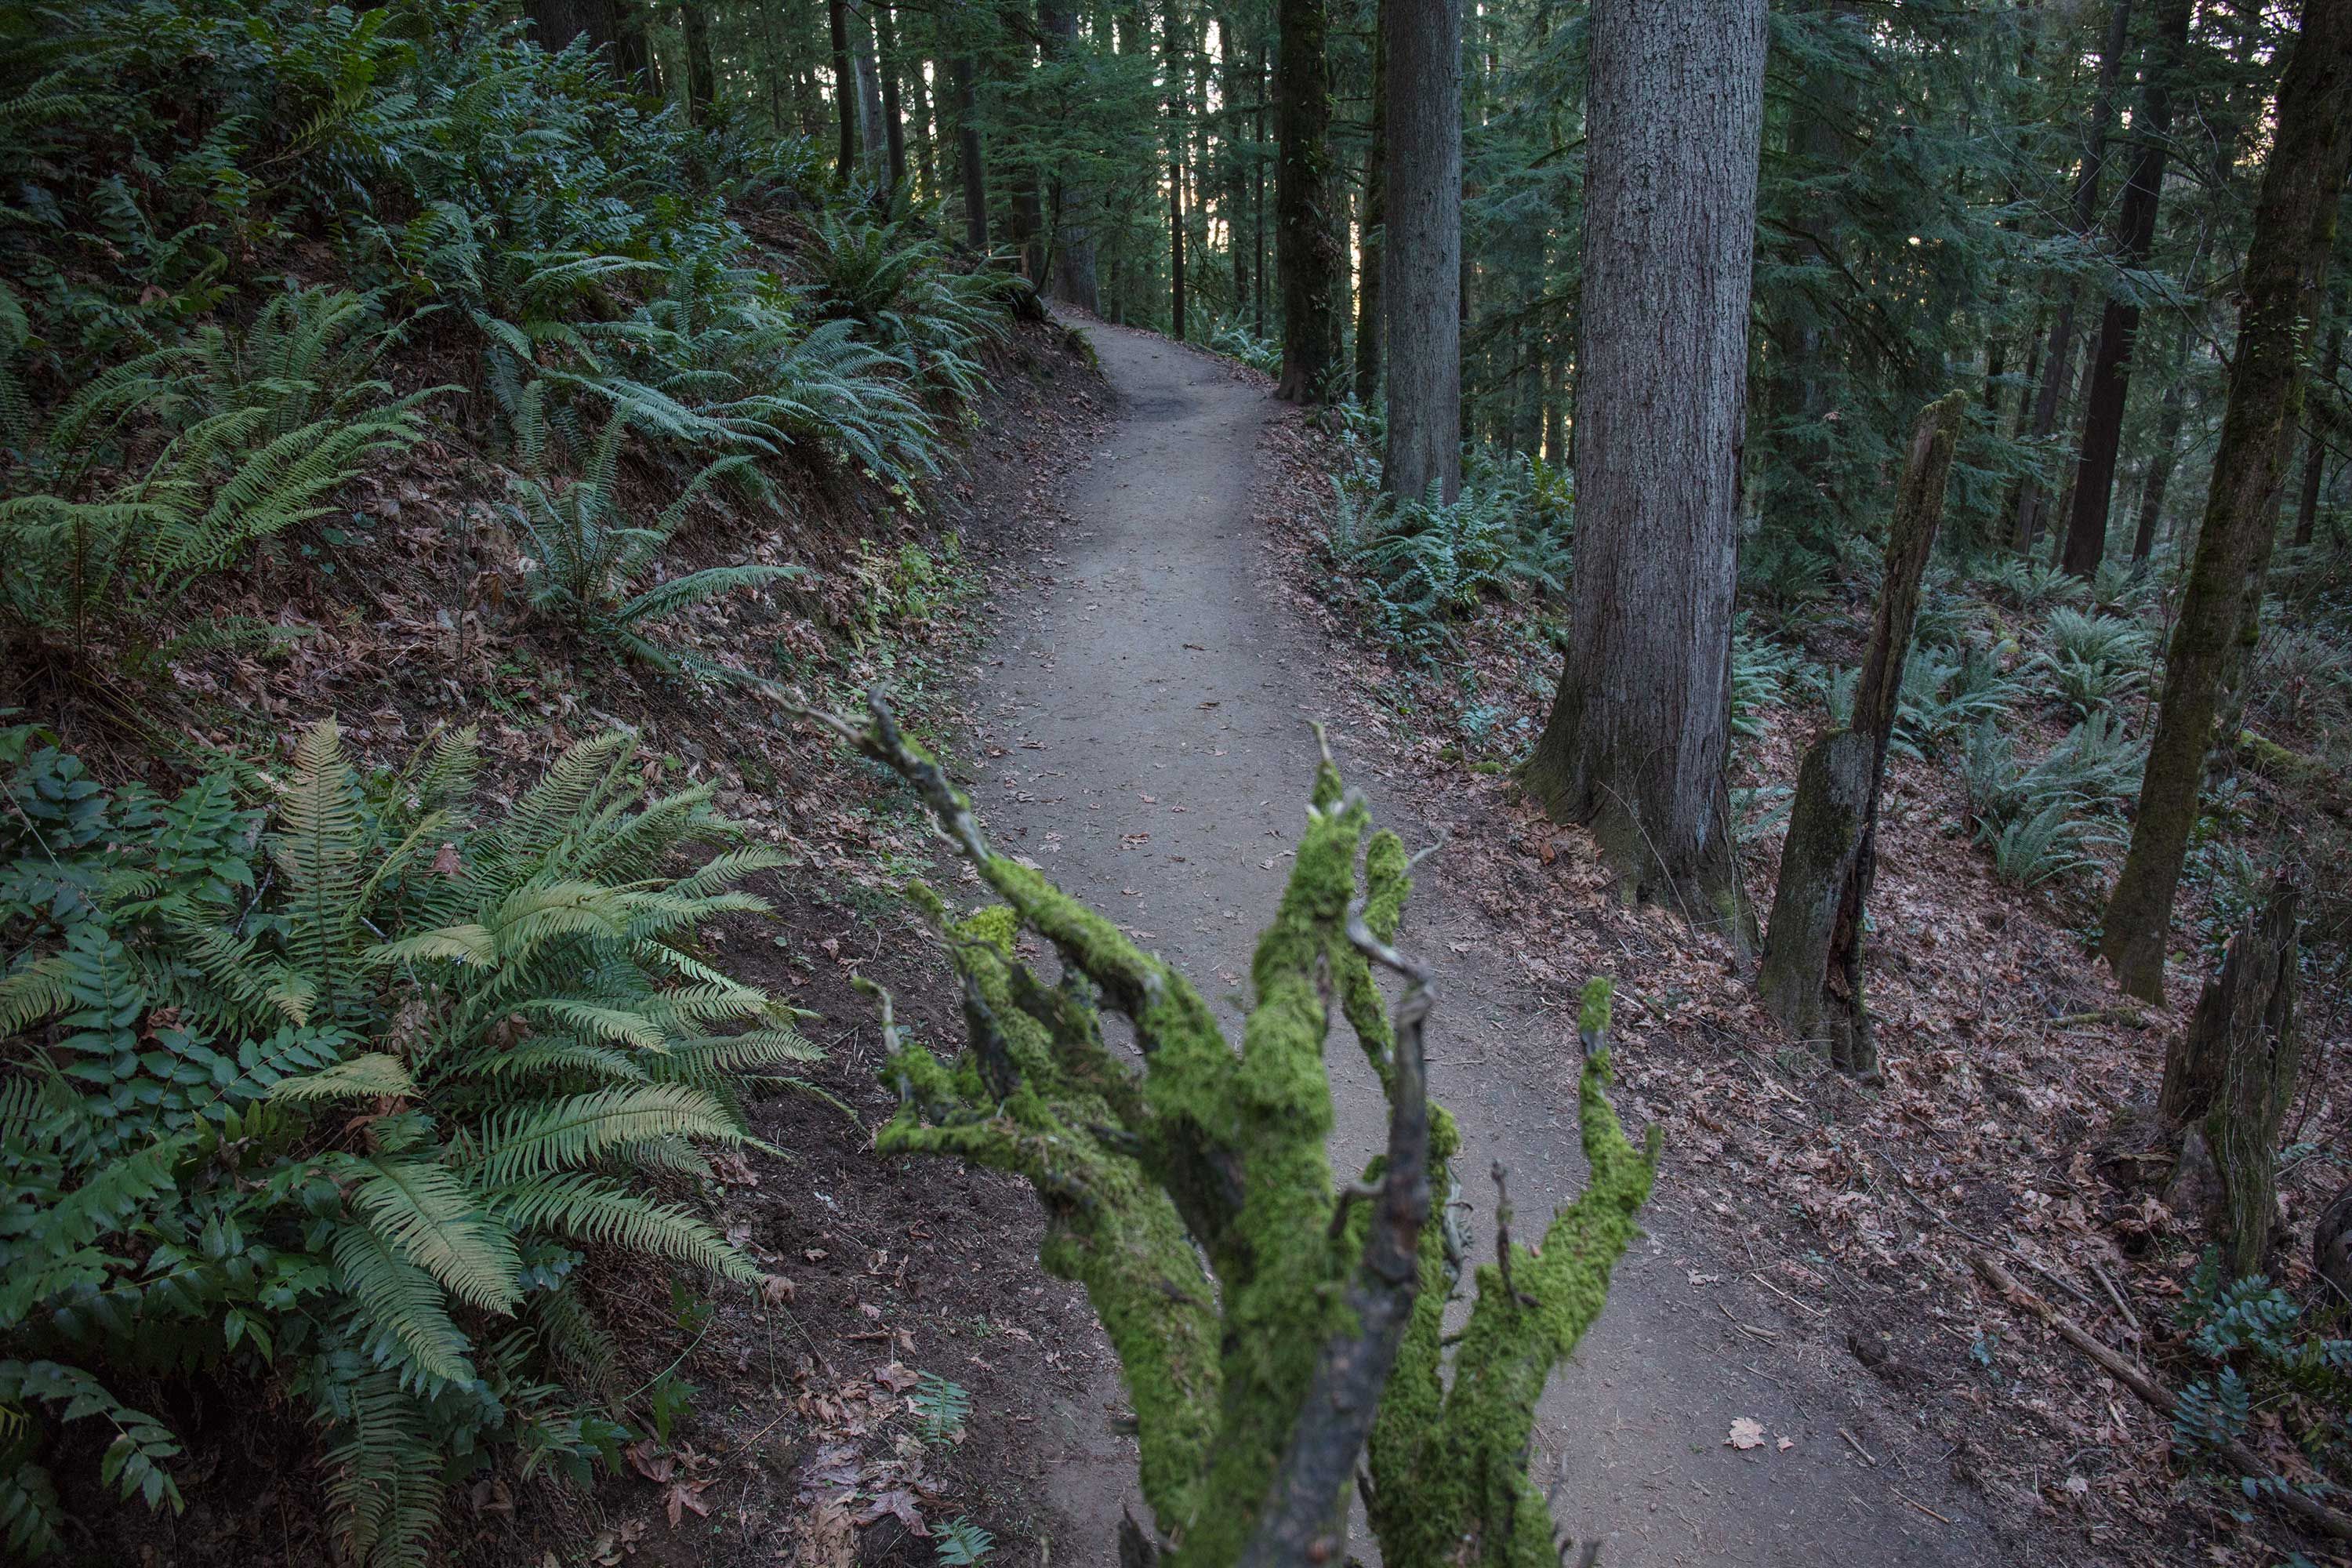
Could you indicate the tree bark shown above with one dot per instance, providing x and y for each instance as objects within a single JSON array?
[
  {"x": 2286, "y": 263},
  {"x": 1176, "y": 118},
  {"x": 1812, "y": 974},
  {"x": 873, "y": 142},
  {"x": 1368, "y": 295},
  {"x": 701, "y": 72},
  {"x": 2110, "y": 378},
  {"x": 2232, "y": 1074},
  {"x": 607, "y": 24},
  {"x": 1639, "y": 733},
  {"x": 845, "y": 91},
  {"x": 1423, "y": 266},
  {"x": 2314, "y": 450},
  {"x": 1306, "y": 247},
  {"x": 971, "y": 166},
  {"x": 2170, "y": 416},
  {"x": 2058, "y": 362},
  {"x": 894, "y": 120}
]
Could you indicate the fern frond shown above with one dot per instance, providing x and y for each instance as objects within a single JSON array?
[
  {"x": 601, "y": 1212},
  {"x": 432, "y": 1219},
  {"x": 387, "y": 1490},
  {"x": 400, "y": 1302},
  {"x": 368, "y": 1076},
  {"x": 573, "y": 1130}
]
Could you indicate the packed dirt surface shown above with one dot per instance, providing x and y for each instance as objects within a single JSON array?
[{"x": 1146, "y": 721}]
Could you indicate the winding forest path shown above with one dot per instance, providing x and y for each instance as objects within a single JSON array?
[{"x": 1153, "y": 708}]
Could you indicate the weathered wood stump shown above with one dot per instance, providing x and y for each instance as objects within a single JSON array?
[
  {"x": 1812, "y": 976},
  {"x": 2231, "y": 1075}
]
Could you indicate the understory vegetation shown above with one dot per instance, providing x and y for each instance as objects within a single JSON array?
[{"x": 333, "y": 1073}]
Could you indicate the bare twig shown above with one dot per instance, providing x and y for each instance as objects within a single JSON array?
[
  {"x": 2132, "y": 1375},
  {"x": 1502, "y": 1235}
]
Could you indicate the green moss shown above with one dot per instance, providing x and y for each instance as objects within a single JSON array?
[{"x": 1216, "y": 1154}]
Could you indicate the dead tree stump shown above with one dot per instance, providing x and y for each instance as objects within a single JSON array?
[
  {"x": 2232, "y": 1074},
  {"x": 1812, "y": 976}
]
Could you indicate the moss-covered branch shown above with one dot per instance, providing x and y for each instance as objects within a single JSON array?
[{"x": 1272, "y": 1326}]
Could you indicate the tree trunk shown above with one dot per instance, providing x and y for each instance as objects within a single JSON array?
[
  {"x": 1368, "y": 295},
  {"x": 2314, "y": 450},
  {"x": 1423, "y": 266},
  {"x": 2172, "y": 413},
  {"x": 1812, "y": 974},
  {"x": 1305, "y": 248},
  {"x": 701, "y": 73},
  {"x": 2058, "y": 363},
  {"x": 893, "y": 121},
  {"x": 971, "y": 166},
  {"x": 845, "y": 91},
  {"x": 607, "y": 24},
  {"x": 1257, "y": 202},
  {"x": 1176, "y": 117},
  {"x": 1639, "y": 733},
  {"x": 2110, "y": 378},
  {"x": 874, "y": 145},
  {"x": 2286, "y": 263},
  {"x": 2232, "y": 1074}
]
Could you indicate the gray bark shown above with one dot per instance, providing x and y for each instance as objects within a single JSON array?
[
  {"x": 1641, "y": 728},
  {"x": 1422, "y": 213},
  {"x": 1811, "y": 977},
  {"x": 873, "y": 142}
]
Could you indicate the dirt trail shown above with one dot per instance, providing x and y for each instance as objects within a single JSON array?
[{"x": 1153, "y": 709}]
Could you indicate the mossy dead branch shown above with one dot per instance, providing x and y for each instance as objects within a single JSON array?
[{"x": 1278, "y": 1332}]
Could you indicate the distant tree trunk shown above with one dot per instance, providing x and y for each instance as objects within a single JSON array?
[
  {"x": 874, "y": 145},
  {"x": 925, "y": 160},
  {"x": 1424, "y": 45},
  {"x": 1257, "y": 201},
  {"x": 607, "y": 24},
  {"x": 701, "y": 73},
  {"x": 2314, "y": 450},
  {"x": 2110, "y": 379},
  {"x": 1641, "y": 728},
  {"x": 845, "y": 90},
  {"x": 2286, "y": 265},
  {"x": 1176, "y": 116},
  {"x": 971, "y": 164},
  {"x": 2170, "y": 415},
  {"x": 1074, "y": 245},
  {"x": 2058, "y": 362},
  {"x": 893, "y": 121},
  {"x": 1812, "y": 973},
  {"x": 1368, "y": 307},
  {"x": 1307, "y": 249}
]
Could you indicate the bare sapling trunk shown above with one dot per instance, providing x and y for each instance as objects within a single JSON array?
[
  {"x": 2284, "y": 270},
  {"x": 970, "y": 162},
  {"x": 1640, "y": 732},
  {"x": 2229, "y": 1077},
  {"x": 1812, "y": 975},
  {"x": 1423, "y": 261},
  {"x": 1282, "y": 1334}
]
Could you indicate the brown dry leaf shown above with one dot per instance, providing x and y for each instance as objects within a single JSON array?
[
  {"x": 683, "y": 1496},
  {"x": 646, "y": 1457},
  {"x": 776, "y": 1291},
  {"x": 1746, "y": 1433},
  {"x": 900, "y": 1503},
  {"x": 896, "y": 1378},
  {"x": 823, "y": 1538}
]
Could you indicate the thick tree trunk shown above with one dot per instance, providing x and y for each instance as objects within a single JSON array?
[
  {"x": 1423, "y": 266},
  {"x": 1812, "y": 974},
  {"x": 701, "y": 72},
  {"x": 845, "y": 90},
  {"x": 2110, "y": 378},
  {"x": 607, "y": 24},
  {"x": 1073, "y": 240},
  {"x": 1370, "y": 295},
  {"x": 970, "y": 162},
  {"x": 1305, "y": 246},
  {"x": 2058, "y": 362},
  {"x": 2286, "y": 263},
  {"x": 1639, "y": 733}
]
